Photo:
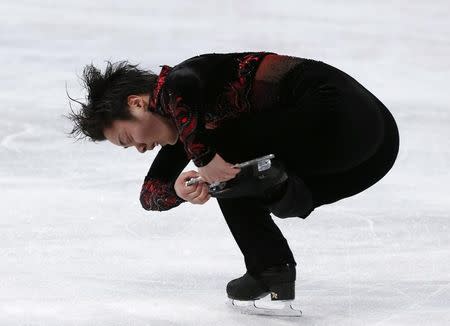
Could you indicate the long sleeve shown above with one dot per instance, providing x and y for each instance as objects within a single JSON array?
[
  {"x": 158, "y": 193},
  {"x": 184, "y": 97}
]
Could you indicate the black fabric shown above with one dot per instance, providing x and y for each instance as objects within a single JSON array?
[
  {"x": 207, "y": 89},
  {"x": 258, "y": 237},
  {"x": 333, "y": 134},
  {"x": 296, "y": 200},
  {"x": 197, "y": 94}
]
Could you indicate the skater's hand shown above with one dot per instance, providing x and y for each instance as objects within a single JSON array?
[
  {"x": 218, "y": 170},
  {"x": 195, "y": 194}
]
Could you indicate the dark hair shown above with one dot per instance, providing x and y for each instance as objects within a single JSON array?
[{"x": 107, "y": 95}]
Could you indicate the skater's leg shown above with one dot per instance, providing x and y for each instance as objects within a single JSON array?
[
  {"x": 324, "y": 188},
  {"x": 310, "y": 192},
  {"x": 293, "y": 198},
  {"x": 330, "y": 188},
  {"x": 332, "y": 123},
  {"x": 333, "y": 136},
  {"x": 258, "y": 237}
]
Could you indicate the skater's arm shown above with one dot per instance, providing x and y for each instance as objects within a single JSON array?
[
  {"x": 185, "y": 99},
  {"x": 158, "y": 193}
]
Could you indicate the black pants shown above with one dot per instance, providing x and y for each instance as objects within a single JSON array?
[{"x": 329, "y": 131}]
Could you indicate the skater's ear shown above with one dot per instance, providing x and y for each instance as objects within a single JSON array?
[
  {"x": 134, "y": 100},
  {"x": 138, "y": 102}
]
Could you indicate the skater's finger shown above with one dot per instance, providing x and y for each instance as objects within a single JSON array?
[
  {"x": 192, "y": 181},
  {"x": 196, "y": 196},
  {"x": 181, "y": 189},
  {"x": 205, "y": 192},
  {"x": 185, "y": 176},
  {"x": 204, "y": 197},
  {"x": 197, "y": 190},
  {"x": 204, "y": 200},
  {"x": 191, "y": 175}
]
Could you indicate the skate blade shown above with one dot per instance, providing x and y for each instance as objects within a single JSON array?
[{"x": 274, "y": 309}]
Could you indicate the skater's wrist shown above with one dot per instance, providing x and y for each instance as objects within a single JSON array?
[
  {"x": 218, "y": 170},
  {"x": 204, "y": 159}
]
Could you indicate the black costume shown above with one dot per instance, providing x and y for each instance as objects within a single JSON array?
[{"x": 333, "y": 136}]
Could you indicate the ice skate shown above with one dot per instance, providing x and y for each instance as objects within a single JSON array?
[
  {"x": 256, "y": 179},
  {"x": 244, "y": 293}
]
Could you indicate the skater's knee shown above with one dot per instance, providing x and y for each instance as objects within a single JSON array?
[
  {"x": 299, "y": 209},
  {"x": 295, "y": 201}
]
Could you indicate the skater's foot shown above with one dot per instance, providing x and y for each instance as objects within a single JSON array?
[{"x": 279, "y": 281}]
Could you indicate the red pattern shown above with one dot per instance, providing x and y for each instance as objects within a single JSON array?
[
  {"x": 157, "y": 195},
  {"x": 159, "y": 84},
  {"x": 186, "y": 120},
  {"x": 235, "y": 99}
]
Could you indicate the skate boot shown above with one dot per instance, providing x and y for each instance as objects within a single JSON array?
[
  {"x": 278, "y": 281},
  {"x": 255, "y": 180}
]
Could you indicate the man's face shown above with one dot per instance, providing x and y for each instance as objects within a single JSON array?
[{"x": 145, "y": 131}]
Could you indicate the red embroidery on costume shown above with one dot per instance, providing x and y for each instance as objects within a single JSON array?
[
  {"x": 161, "y": 80},
  {"x": 157, "y": 195},
  {"x": 235, "y": 98},
  {"x": 186, "y": 120}
]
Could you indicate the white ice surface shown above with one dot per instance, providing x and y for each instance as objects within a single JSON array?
[{"x": 76, "y": 248}]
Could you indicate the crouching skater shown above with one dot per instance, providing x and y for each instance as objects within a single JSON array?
[{"x": 330, "y": 137}]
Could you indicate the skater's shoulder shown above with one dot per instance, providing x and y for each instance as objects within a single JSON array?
[
  {"x": 199, "y": 60},
  {"x": 211, "y": 69},
  {"x": 215, "y": 58},
  {"x": 183, "y": 78},
  {"x": 205, "y": 57},
  {"x": 209, "y": 62}
]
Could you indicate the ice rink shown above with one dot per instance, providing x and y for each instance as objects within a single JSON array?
[{"x": 76, "y": 247}]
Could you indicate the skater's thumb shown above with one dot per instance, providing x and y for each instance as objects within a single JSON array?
[{"x": 190, "y": 175}]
